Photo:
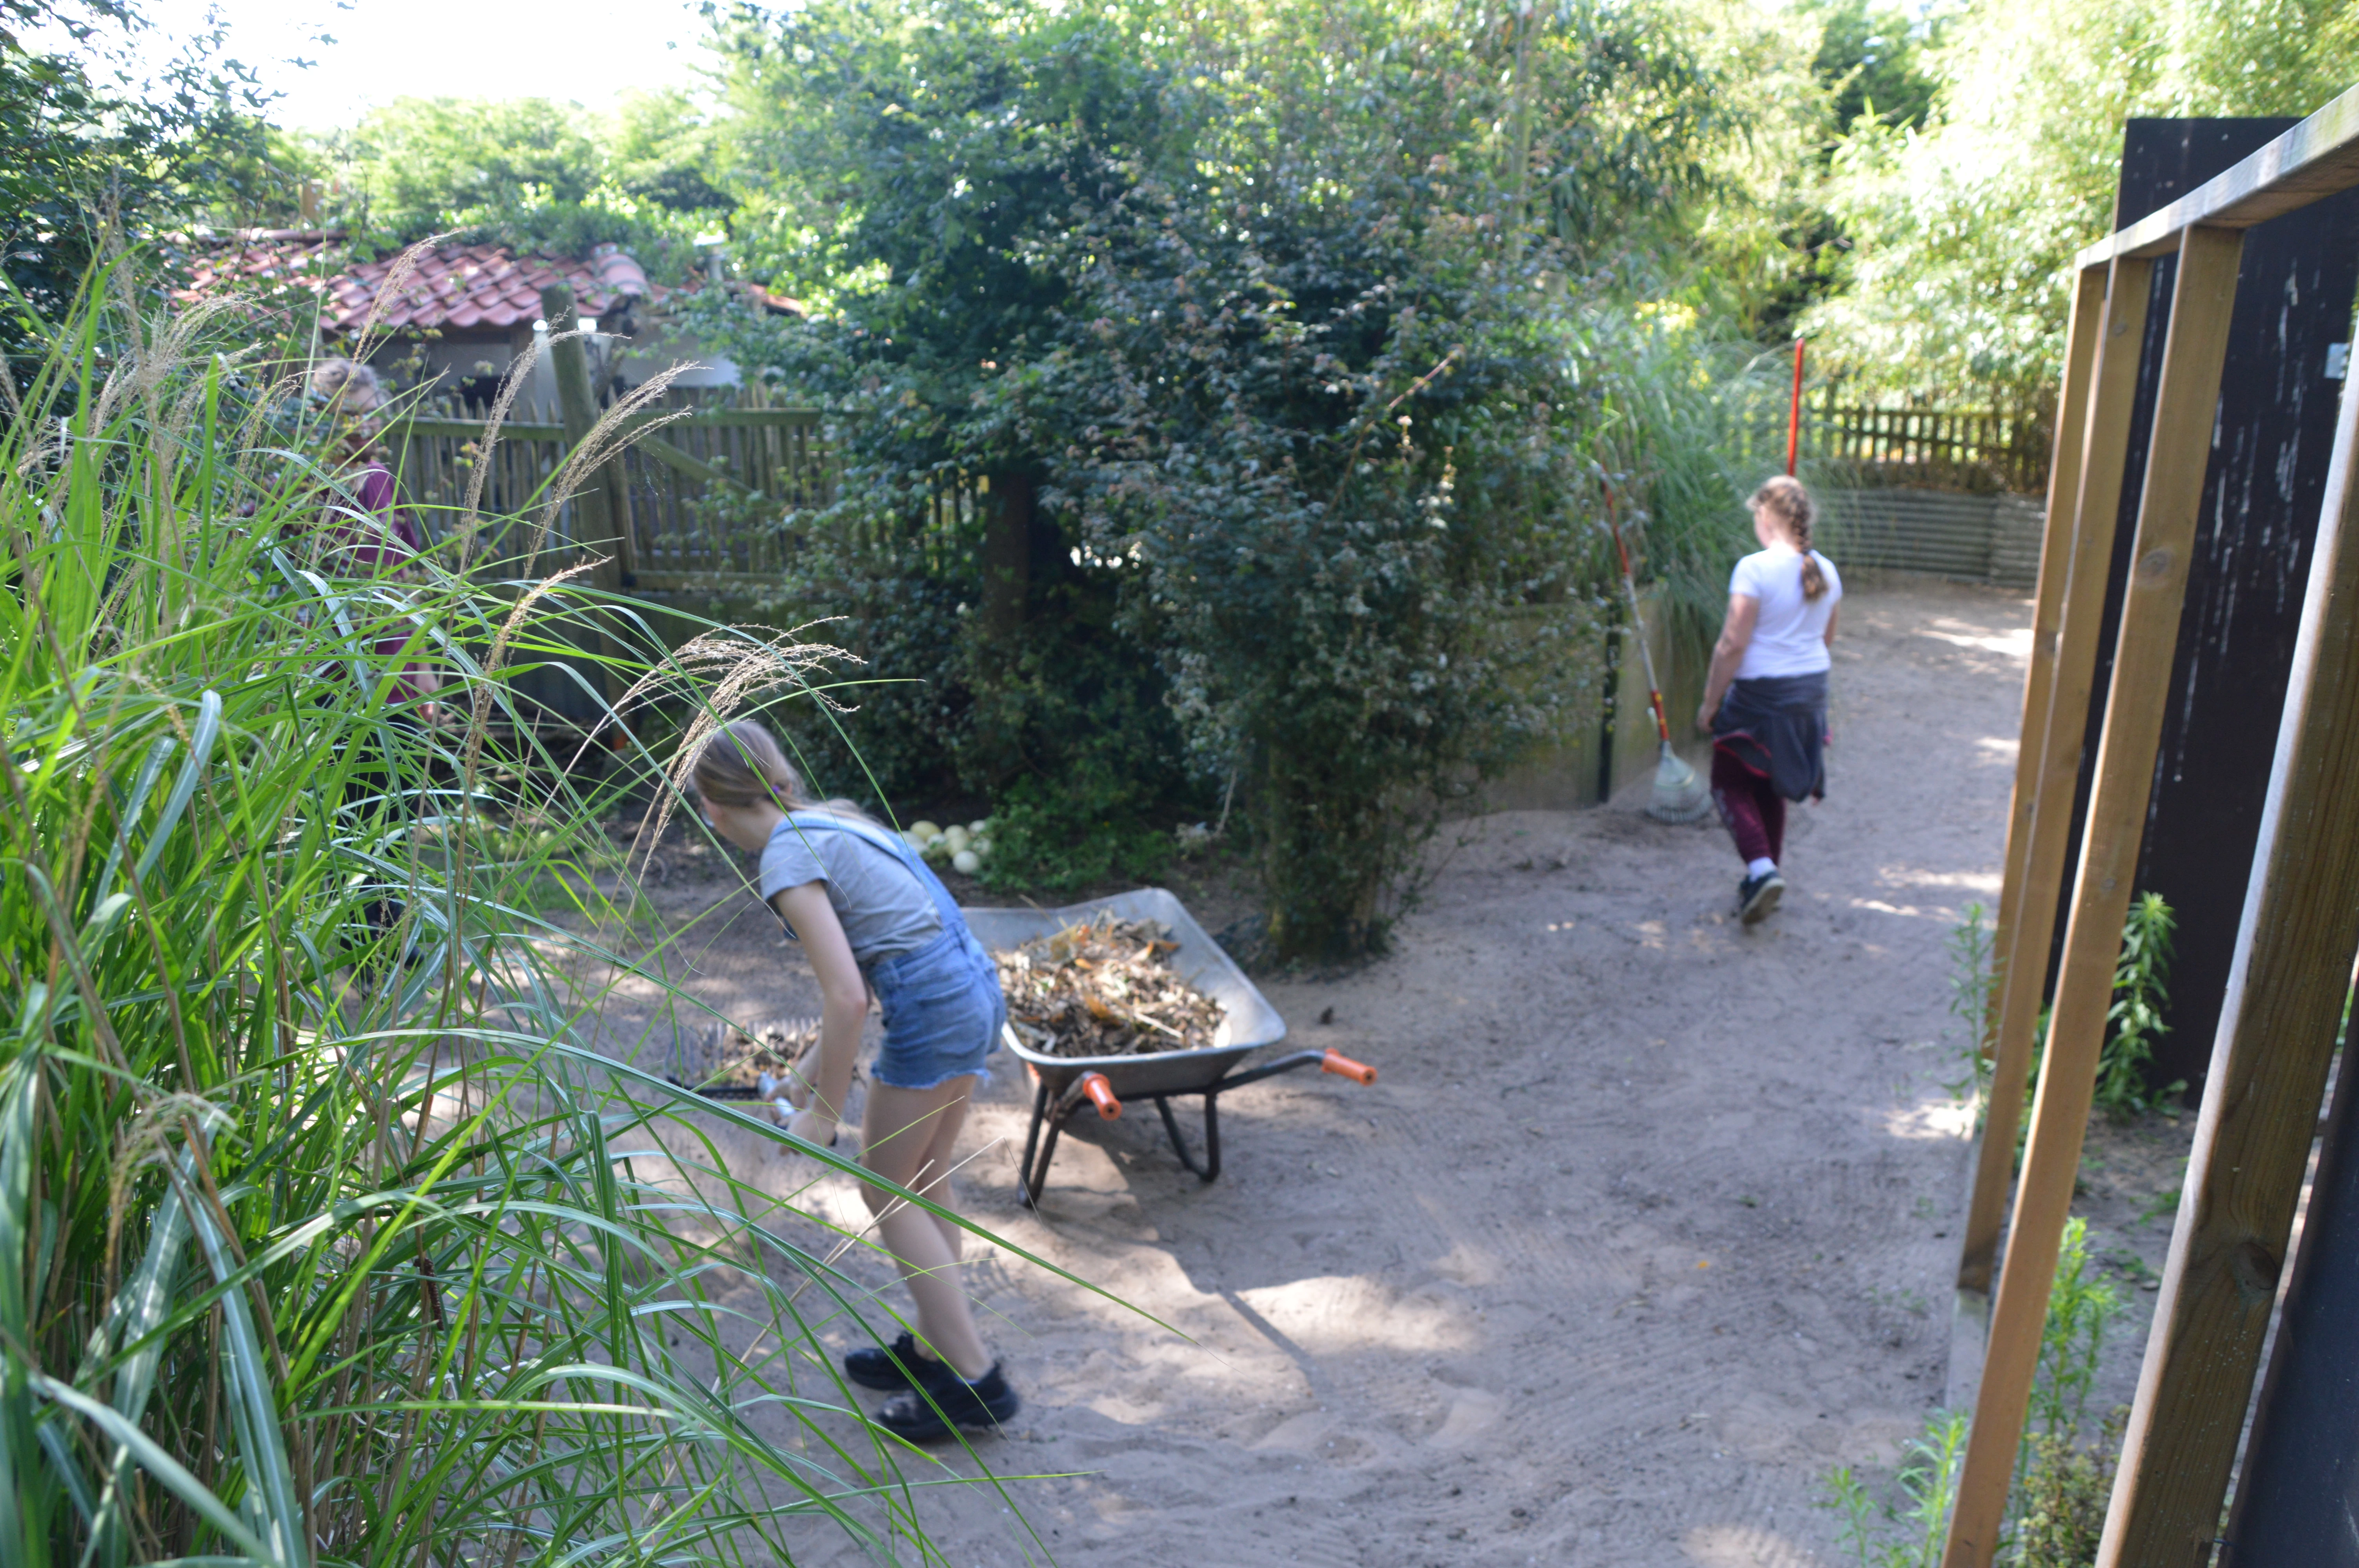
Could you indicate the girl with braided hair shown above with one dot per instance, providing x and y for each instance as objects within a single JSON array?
[{"x": 1765, "y": 700}]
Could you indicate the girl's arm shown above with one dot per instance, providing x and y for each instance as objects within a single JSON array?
[
  {"x": 843, "y": 1002},
  {"x": 1736, "y": 636},
  {"x": 1831, "y": 624}
]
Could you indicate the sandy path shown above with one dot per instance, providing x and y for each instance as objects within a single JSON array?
[{"x": 1648, "y": 1223}]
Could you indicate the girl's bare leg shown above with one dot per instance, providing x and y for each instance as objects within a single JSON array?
[{"x": 907, "y": 1138}]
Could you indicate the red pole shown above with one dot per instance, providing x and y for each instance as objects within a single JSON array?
[{"x": 1794, "y": 417}]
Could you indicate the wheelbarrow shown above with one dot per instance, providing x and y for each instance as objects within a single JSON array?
[{"x": 1064, "y": 1085}]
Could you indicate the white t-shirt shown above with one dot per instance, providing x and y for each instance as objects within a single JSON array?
[{"x": 1791, "y": 637}]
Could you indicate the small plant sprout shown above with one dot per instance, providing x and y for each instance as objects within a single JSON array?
[
  {"x": 1972, "y": 995},
  {"x": 2135, "y": 1020}
]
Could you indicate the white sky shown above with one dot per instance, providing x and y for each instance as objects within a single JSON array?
[{"x": 460, "y": 48}]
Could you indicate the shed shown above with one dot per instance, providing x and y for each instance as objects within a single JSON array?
[{"x": 459, "y": 315}]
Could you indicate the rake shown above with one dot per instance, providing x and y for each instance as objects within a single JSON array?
[{"x": 1679, "y": 795}]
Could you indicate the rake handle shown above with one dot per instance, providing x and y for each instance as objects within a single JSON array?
[{"x": 1630, "y": 587}]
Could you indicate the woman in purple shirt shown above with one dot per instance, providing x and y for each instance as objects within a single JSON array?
[{"x": 368, "y": 533}]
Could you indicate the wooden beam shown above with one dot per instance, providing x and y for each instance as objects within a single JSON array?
[
  {"x": 2052, "y": 741},
  {"x": 752, "y": 418},
  {"x": 594, "y": 530},
  {"x": 2269, "y": 1066},
  {"x": 473, "y": 429},
  {"x": 597, "y": 530},
  {"x": 2317, "y": 159},
  {"x": 671, "y": 457},
  {"x": 2047, "y": 611},
  {"x": 527, "y": 430},
  {"x": 2186, "y": 404}
]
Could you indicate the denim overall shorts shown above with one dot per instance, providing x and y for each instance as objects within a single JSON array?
[{"x": 943, "y": 1008}]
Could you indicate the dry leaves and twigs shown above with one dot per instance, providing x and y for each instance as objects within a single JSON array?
[
  {"x": 726, "y": 1057},
  {"x": 1106, "y": 988}
]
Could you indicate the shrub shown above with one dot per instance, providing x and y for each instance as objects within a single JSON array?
[{"x": 1316, "y": 376}]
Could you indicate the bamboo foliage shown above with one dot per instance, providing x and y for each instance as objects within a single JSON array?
[{"x": 326, "y": 1235}]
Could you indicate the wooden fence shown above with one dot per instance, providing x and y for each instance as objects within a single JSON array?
[
  {"x": 1914, "y": 445},
  {"x": 710, "y": 490},
  {"x": 1976, "y": 450},
  {"x": 714, "y": 491}
]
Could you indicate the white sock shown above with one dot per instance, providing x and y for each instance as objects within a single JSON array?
[{"x": 1760, "y": 867}]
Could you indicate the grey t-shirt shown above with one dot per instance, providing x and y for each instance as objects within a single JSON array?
[{"x": 885, "y": 909}]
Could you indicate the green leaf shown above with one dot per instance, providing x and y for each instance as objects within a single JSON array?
[
  {"x": 168, "y": 1471},
  {"x": 184, "y": 787}
]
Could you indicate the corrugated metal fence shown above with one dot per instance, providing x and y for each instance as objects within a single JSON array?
[{"x": 1992, "y": 538}]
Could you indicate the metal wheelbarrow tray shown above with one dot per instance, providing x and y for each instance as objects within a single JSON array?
[{"x": 1066, "y": 1084}]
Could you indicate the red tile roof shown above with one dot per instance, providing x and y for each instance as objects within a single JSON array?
[{"x": 454, "y": 288}]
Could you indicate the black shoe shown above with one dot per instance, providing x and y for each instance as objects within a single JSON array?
[
  {"x": 931, "y": 1411},
  {"x": 1757, "y": 897},
  {"x": 899, "y": 1368}
]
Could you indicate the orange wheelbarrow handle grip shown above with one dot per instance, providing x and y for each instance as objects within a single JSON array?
[
  {"x": 1343, "y": 1067},
  {"x": 1101, "y": 1095}
]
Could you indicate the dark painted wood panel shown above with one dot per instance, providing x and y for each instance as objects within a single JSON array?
[{"x": 2261, "y": 498}]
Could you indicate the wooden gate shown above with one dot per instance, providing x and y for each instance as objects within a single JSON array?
[{"x": 711, "y": 491}]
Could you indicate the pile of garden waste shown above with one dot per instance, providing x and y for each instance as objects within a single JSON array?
[
  {"x": 1106, "y": 988},
  {"x": 756, "y": 1057}
]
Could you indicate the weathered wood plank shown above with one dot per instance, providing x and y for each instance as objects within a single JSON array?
[
  {"x": 671, "y": 457},
  {"x": 473, "y": 429},
  {"x": 2048, "y": 607},
  {"x": 534, "y": 430},
  {"x": 2055, "y": 740},
  {"x": 2269, "y": 1066},
  {"x": 2202, "y": 303}
]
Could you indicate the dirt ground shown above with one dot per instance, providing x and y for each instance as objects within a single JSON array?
[{"x": 1648, "y": 1223}]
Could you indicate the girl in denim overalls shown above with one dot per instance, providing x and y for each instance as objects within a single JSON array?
[{"x": 873, "y": 919}]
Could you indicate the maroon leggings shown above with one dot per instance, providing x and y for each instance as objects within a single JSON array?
[{"x": 1754, "y": 812}]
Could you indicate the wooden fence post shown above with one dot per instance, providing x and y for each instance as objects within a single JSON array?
[
  {"x": 2269, "y": 1064},
  {"x": 576, "y": 406},
  {"x": 2186, "y": 404},
  {"x": 2051, "y": 742},
  {"x": 595, "y": 534}
]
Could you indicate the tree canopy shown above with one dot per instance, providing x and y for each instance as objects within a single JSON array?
[
  {"x": 535, "y": 173},
  {"x": 90, "y": 136}
]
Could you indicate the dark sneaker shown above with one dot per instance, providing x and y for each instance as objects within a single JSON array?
[
  {"x": 877, "y": 1367},
  {"x": 1757, "y": 897},
  {"x": 929, "y": 1412}
]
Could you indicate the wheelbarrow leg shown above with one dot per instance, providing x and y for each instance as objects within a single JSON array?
[
  {"x": 1038, "y": 1179},
  {"x": 1179, "y": 1143},
  {"x": 1027, "y": 1184},
  {"x": 1211, "y": 1169}
]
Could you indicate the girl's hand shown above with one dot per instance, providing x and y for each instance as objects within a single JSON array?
[
  {"x": 1705, "y": 714},
  {"x": 813, "y": 1127}
]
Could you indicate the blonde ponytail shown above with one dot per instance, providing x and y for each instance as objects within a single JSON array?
[{"x": 1790, "y": 503}]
